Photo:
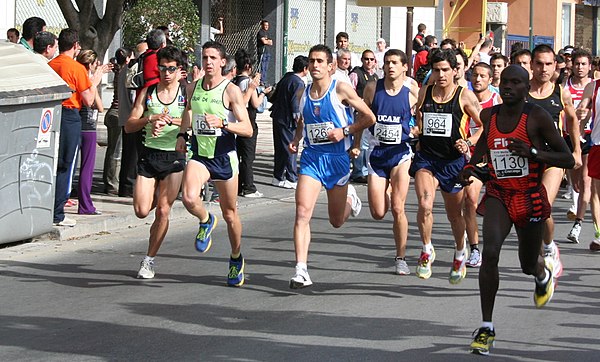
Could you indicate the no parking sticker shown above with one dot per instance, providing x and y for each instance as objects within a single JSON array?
[{"x": 43, "y": 138}]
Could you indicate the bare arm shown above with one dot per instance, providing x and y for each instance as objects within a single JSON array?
[
  {"x": 365, "y": 117},
  {"x": 236, "y": 103},
  {"x": 481, "y": 148},
  {"x": 136, "y": 120},
  {"x": 186, "y": 119},
  {"x": 573, "y": 127}
]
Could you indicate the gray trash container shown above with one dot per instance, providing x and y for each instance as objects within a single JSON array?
[{"x": 30, "y": 104}]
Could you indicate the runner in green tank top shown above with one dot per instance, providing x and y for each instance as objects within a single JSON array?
[
  {"x": 217, "y": 113},
  {"x": 158, "y": 110}
]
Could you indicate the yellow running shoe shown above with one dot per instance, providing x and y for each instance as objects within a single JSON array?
[
  {"x": 483, "y": 341},
  {"x": 424, "y": 264},
  {"x": 543, "y": 293}
]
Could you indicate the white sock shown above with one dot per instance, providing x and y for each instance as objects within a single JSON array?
[
  {"x": 489, "y": 325},
  {"x": 302, "y": 266},
  {"x": 460, "y": 254},
  {"x": 149, "y": 259},
  {"x": 575, "y": 199},
  {"x": 428, "y": 248},
  {"x": 550, "y": 247},
  {"x": 546, "y": 277}
]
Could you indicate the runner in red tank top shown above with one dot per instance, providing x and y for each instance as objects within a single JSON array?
[{"x": 517, "y": 156}]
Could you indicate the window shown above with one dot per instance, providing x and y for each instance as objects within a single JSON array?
[{"x": 566, "y": 21}]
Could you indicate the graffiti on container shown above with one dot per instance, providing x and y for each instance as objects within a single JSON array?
[{"x": 36, "y": 177}]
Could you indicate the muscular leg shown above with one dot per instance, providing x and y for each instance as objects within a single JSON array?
[
  {"x": 194, "y": 177},
  {"x": 454, "y": 206},
  {"x": 307, "y": 193},
  {"x": 228, "y": 202},
  {"x": 595, "y": 203},
  {"x": 168, "y": 189},
  {"x": 400, "y": 181},
  {"x": 496, "y": 226},
  {"x": 339, "y": 205},
  {"x": 551, "y": 180},
  {"x": 378, "y": 199},
  {"x": 532, "y": 263},
  {"x": 584, "y": 183},
  {"x": 143, "y": 196},
  {"x": 425, "y": 185},
  {"x": 470, "y": 210}
]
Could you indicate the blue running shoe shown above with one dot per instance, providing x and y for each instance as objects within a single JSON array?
[
  {"x": 203, "y": 239},
  {"x": 235, "y": 278}
]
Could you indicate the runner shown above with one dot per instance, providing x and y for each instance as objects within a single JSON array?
[
  {"x": 444, "y": 111},
  {"x": 217, "y": 113},
  {"x": 157, "y": 112},
  {"x": 326, "y": 125},
  {"x": 389, "y": 154},
  {"x": 546, "y": 94},
  {"x": 481, "y": 79},
  {"x": 515, "y": 141}
]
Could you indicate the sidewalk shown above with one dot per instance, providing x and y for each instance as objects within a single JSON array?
[{"x": 117, "y": 212}]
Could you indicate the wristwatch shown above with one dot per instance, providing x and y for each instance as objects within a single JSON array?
[
  {"x": 225, "y": 123},
  {"x": 346, "y": 131},
  {"x": 184, "y": 135},
  {"x": 533, "y": 152}
]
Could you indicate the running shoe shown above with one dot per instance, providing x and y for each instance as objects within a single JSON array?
[
  {"x": 401, "y": 267},
  {"x": 203, "y": 238},
  {"x": 236, "y": 278},
  {"x": 458, "y": 271},
  {"x": 146, "y": 270},
  {"x": 424, "y": 264},
  {"x": 301, "y": 279},
  {"x": 595, "y": 245},
  {"x": 574, "y": 233},
  {"x": 255, "y": 194},
  {"x": 568, "y": 195},
  {"x": 474, "y": 260},
  {"x": 552, "y": 256},
  {"x": 483, "y": 341},
  {"x": 356, "y": 203},
  {"x": 544, "y": 292}
]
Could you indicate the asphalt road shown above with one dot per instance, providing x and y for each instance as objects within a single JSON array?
[{"x": 79, "y": 300}]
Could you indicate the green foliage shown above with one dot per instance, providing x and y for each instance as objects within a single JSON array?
[{"x": 181, "y": 16}]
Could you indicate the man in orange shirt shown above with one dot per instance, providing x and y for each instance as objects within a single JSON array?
[{"x": 84, "y": 91}]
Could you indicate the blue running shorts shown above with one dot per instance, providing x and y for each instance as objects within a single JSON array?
[
  {"x": 445, "y": 171},
  {"x": 382, "y": 159},
  {"x": 330, "y": 169},
  {"x": 222, "y": 167}
]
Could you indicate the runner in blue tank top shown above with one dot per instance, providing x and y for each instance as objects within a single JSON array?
[
  {"x": 327, "y": 128},
  {"x": 217, "y": 113},
  {"x": 389, "y": 154}
]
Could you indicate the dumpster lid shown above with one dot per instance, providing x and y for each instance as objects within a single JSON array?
[{"x": 27, "y": 78}]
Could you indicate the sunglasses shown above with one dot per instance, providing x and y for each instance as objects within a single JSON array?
[
  {"x": 369, "y": 59},
  {"x": 164, "y": 68}
]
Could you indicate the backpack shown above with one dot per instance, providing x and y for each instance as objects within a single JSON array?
[
  {"x": 422, "y": 72},
  {"x": 135, "y": 74}
]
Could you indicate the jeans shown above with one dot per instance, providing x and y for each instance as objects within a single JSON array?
[
  {"x": 68, "y": 146},
  {"x": 264, "y": 67},
  {"x": 286, "y": 163}
]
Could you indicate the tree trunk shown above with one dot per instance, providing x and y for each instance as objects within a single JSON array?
[{"x": 94, "y": 32}]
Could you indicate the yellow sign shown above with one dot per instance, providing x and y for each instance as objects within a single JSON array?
[{"x": 407, "y": 3}]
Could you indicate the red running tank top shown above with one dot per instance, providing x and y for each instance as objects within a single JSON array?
[{"x": 507, "y": 170}]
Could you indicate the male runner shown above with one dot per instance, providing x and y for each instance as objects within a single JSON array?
[
  {"x": 518, "y": 140},
  {"x": 157, "y": 111},
  {"x": 389, "y": 154},
  {"x": 551, "y": 97},
  {"x": 443, "y": 115},
  {"x": 575, "y": 84},
  {"x": 326, "y": 125},
  {"x": 217, "y": 113},
  {"x": 481, "y": 79}
]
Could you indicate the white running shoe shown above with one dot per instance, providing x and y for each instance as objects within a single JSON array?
[
  {"x": 356, "y": 203},
  {"x": 255, "y": 194},
  {"x": 146, "y": 270},
  {"x": 301, "y": 279},
  {"x": 574, "y": 233},
  {"x": 401, "y": 267},
  {"x": 552, "y": 256}
]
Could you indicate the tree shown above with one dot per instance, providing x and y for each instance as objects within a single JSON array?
[{"x": 94, "y": 32}]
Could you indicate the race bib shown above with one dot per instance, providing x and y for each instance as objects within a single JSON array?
[
  {"x": 437, "y": 124},
  {"x": 201, "y": 127},
  {"x": 508, "y": 165},
  {"x": 388, "y": 133},
  {"x": 317, "y": 132}
]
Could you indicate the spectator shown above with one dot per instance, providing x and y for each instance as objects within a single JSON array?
[
  {"x": 285, "y": 113},
  {"x": 379, "y": 53},
  {"x": 484, "y": 50},
  {"x": 165, "y": 29},
  {"x": 419, "y": 40},
  {"x": 76, "y": 76},
  {"x": 246, "y": 147},
  {"x": 342, "y": 42},
  {"x": 263, "y": 52},
  {"x": 523, "y": 58},
  {"x": 45, "y": 44},
  {"x": 498, "y": 62},
  {"x": 12, "y": 35},
  {"x": 156, "y": 39},
  {"x": 421, "y": 57},
  {"x": 89, "y": 120},
  {"x": 342, "y": 70},
  {"x": 218, "y": 29},
  {"x": 112, "y": 158},
  {"x": 31, "y": 27}
]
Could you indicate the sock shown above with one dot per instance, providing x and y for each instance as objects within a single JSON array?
[
  {"x": 205, "y": 220},
  {"x": 460, "y": 254},
  {"x": 489, "y": 325},
  {"x": 302, "y": 266},
  {"x": 399, "y": 258},
  {"x": 546, "y": 278},
  {"x": 149, "y": 259},
  {"x": 428, "y": 248},
  {"x": 236, "y": 256},
  {"x": 575, "y": 199},
  {"x": 578, "y": 221},
  {"x": 550, "y": 247},
  {"x": 475, "y": 247}
]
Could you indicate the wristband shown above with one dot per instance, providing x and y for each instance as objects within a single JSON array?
[
  {"x": 184, "y": 135},
  {"x": 468, "y": 142},
  {"x": 469, "y": 166}
]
